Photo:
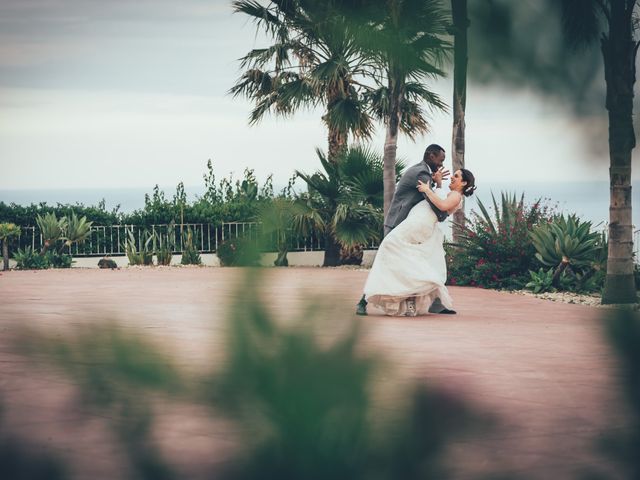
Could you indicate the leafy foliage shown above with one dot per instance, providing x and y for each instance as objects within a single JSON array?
[
  {"x": 238, "y": 252},
  {"x": 497, "y": 251},
  {"x": 345, "y": 200},
  {"x": 77, "y": 229},
  {"x": 313, "y": 61},
  {"x": 190, "y": 255},
  {"x": 567, "y": 245},
  {"x": 8, "y": 231},
  {"x": 141, "y": 254},
  {"x": 52, "y": 229},
  {"x": 541, "y": 281},
  {"x": 27, "y": 259}
]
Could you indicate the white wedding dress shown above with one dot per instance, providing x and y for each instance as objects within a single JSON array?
[{"x": 410, "y": 262}]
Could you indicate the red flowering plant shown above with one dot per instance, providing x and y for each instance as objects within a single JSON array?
[
  {"x": 239, "y": 252},
  {"x": 497, "y": 251}
]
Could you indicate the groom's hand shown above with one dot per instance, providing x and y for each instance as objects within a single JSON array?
[{"x": 439, "y": 175}]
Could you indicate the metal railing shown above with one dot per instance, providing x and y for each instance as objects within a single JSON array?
[{"x": 205, "y": 237}]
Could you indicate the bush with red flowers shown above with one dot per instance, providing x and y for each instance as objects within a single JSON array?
[{"x": 496, "y": 251}]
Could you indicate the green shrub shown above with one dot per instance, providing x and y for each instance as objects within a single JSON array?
[
  {"x": 570, "y": 247},
  {"x": 164, "y": 252},
  {"x": 497, "y": 252},
  {"x": 238, "y": 252},
  {"x": 28, "y": 259},
  {"x": 144, "y": 256},
  {"x": 59, "y": 260},
  {"x": 542, "y": 281},
  {"x": 190, "y": 255}
]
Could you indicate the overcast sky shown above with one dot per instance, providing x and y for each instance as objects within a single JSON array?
[{"x": 125, "y": 93}]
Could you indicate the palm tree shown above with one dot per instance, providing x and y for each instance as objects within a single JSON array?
[
  {"x": 77, "y": 230},
  {"x": 616, "y": 22},
  {"x": 344, "y": 200},
  {"x": 314, "y": 61},
  {"x": 51, "y": 229},
  {"x": 405, "y": 40},
  {"x": 7, "y": 232},
  {"x": 460, "y": 59}
]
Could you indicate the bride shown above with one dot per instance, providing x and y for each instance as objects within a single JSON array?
[{"x": 409, "y": 270}]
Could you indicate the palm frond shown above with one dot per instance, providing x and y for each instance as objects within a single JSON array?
[{"x": 580, "y": 22}]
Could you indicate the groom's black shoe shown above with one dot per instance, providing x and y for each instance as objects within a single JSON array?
[
  {"x": 361, "y": 307},
  {"x": 446, "y": 311}
]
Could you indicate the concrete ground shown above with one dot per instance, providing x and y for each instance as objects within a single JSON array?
[{"x": 540, "y": 369}]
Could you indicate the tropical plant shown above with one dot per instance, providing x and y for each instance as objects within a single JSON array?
[
  {"x": 58, "y": 260},
  {"x": 344, "y": 201},
  {"x": 497, "y": 251},
  {"x": 314, "y": 61},
  {"x": 566, "y": 244},
  {"x": 8, "y": 231},
  {"x": 76, "y": 230},
  {"x": 51, "y": 229},
  {"x": 28, "y": 259},
  {"x": 164, "y": 252},
  {"x": 164, "y": 245},
  {"x": 583, "y": 23},
  {"x": 460, "y": 27},
  {"x": 277, "y": 218},
  {"x": 190, "y": 255},
  {"x": 541, "y": 281},
  {"x": 142, "y": 255},
  {"x": 600, "y": 39},
  {"x": 405, "y": 39},
  {"x": 238, "y": 252}
]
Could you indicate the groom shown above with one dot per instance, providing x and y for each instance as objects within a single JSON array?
[{"x": 406, "y": 196}]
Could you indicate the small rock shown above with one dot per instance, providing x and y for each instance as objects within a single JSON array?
[{"x": 107, "y": 263}]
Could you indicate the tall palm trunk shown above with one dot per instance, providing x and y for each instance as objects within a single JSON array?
[
  {"x": 460, "y": 60},
  {"x": 619, "y": 52},
  {"x": 331, "y": 250},
  {"x": 390, "y": 149},
  {"x": 337, "y": 137},
  {"x": 5, "y": 254},
  {"x": 337, "y": 145}
]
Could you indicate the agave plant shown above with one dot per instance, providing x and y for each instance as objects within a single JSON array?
[
  {"x": 144, "y": 255},
  {"x": 7, "y": 232},
  {"x": 566, "y": 243},
  {"x": 190, "y": 254},
  {"x": 77, "y": 229},
  {"x": 541, "y": 281},
  {"x": 51, "y": 229}
]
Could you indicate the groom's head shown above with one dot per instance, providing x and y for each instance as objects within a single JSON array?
[{"x": 434, "y": 156}]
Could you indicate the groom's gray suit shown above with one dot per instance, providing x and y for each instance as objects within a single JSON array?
[{"x": 407, "y": 196}]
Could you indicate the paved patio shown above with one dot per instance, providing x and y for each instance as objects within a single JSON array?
[{"x": 541, "y": 368}]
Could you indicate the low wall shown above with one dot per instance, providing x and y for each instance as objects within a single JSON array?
[{"x": 296, "y": 259}]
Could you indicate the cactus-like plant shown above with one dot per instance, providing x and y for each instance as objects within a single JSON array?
[
  {"x": 144, "y": 255},
  {"x": 541, "y": 281},
  {"x": 565, "y": 243}
]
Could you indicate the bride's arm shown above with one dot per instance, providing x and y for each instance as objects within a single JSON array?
[{"x": 446, "y": 204}]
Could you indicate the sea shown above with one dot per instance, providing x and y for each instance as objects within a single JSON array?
[{"x": 589, "y": 200}]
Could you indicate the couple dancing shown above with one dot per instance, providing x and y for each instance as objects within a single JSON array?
[{"x": 409, "y": 271}]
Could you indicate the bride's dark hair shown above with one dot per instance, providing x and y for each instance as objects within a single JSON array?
[{"x": 468, "y": 177}]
